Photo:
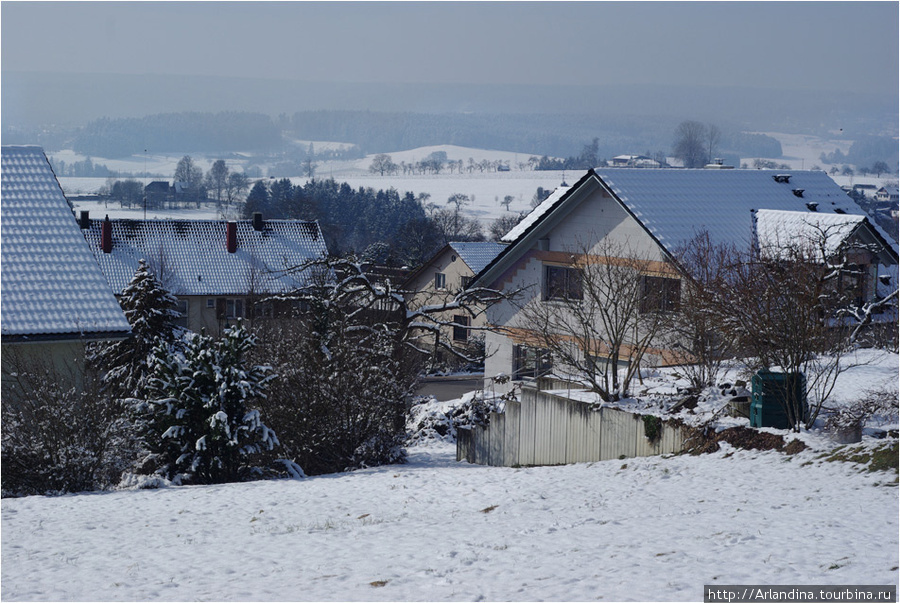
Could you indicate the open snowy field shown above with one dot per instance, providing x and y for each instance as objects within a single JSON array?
[{"x": 435, "y": 530}]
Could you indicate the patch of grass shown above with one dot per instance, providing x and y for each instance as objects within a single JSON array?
[
  {"x": 884, "y": 457},
  {"x": 378, "y": 583},
  {"x": 489, "y": 509}
]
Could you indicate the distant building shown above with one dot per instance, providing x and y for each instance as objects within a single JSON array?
[
  {"x": 637, "y": 161},
  {"x": 889, "y": 194}
]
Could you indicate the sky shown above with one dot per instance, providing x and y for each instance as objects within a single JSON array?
[{"x": 792, "y": 45}]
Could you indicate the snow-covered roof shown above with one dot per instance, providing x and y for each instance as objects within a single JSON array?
[
  {"x": 673, "y": 205},
  {"x": 545, "y": 206},
  {"x": 778, "y": 231},
  {"x": 51, "y": 286},
  {"x": 477, "y": 255},
  {"x": 191, "y": 258}
]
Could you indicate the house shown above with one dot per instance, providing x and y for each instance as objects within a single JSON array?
[
  {"x": 54, "y": 297},
  {"x": 447, "y": 273},
  {"x": 158, "y": 193},
  {"x": 220, "y": 271},
  {"x": 639, "y": 161},
  {"x": 890, "y": 194},
  {"x": 652, "y": 212}
]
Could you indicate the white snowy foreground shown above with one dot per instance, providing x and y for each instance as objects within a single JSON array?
[{"x": 434, "y": 529}]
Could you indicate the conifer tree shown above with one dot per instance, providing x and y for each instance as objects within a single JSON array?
[
  {"x": 201, "y": 423},
  {"x": 151, "y": 312}
]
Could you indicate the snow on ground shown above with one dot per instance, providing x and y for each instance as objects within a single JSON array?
[
  {"x": 654, "y": 528},
  {"x": 434, "y": 529}
]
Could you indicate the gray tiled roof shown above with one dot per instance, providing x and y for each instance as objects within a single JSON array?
[
  {"x": 675, "y": 204},
  {"x": 190, "y": 256},
  {"x": 477, "y": 255},
  {"x": 51, "y": 286}
]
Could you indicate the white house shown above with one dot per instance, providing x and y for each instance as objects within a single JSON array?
[
  {"x": 54, "y": 297},
  {"x": 220, "y": 271},
  {"x": 652, "y": 212}
]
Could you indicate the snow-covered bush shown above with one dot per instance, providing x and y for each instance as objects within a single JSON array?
[
  {"x": 341, "y": 395},
  {"x": 430, "y": 420},
  {"x": 202, "y": 423},
  {"x": 58, "y": 439}
]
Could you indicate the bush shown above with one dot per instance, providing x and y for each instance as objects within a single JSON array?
[{"x": 57, "y": 440}]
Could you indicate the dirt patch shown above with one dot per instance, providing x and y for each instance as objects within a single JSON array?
[{"x": 746, "y": 438}]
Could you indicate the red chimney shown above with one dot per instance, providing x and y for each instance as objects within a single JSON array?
[
  {"x": 231, "y": 236},
  {"x": 106, "y": 236}
]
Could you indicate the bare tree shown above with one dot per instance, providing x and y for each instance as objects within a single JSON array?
[
  {"x": 713, "y": 138},
  {"x": 789, "y": 306},
  {"x": 599, "y": 315},
  {"x": 691, "y": 138}
]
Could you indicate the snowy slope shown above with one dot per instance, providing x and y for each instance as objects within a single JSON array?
[{"x": 641, "y": 529}]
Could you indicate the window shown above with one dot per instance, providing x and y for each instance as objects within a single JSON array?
[
  {"x": 182, "y": 307},
  {"x": 660, "y": 294},
  {"x": 210, "y": 302},
  {"x": 530, "y": 362},
  {"x": 229, "y": 308},
  {"x": 465, "y": 281},
  {"x": 461, "y": 333},
  {"x": 562, "y": 283},
  {"x": 440, "y": 280},
  {"x": 234, "y": 308}
]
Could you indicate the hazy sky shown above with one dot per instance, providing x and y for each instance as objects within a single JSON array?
[{"x": 808, "y": 45}]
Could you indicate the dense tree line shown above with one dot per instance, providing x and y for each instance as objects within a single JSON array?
[
  {"x": 351, "y": 219},
  {"x": 175, "y": 132}
]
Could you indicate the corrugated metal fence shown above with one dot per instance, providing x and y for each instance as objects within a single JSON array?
[{"x": 545, "y": 429}]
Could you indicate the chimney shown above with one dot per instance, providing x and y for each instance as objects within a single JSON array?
[
  {"x": 231, "y": 236},
  {"x": 106, "y": 236},
  {"x": 257, "y": 221},
  {"x": 85, "y": 220}
]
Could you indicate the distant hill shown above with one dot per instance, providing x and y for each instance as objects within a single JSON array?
[{"x": 40, "y": 99}]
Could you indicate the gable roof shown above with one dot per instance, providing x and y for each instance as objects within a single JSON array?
[
  {"x": 673, "y": 205},
  {"x": 52, "y": 288},
  {"x": 477, "y": 255},
  {"x": 545, "y": 206},
  {"x": 776, "y": 231},
  {"x": 190, "y": 256}
]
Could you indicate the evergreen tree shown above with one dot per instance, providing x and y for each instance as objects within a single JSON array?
[
  {"x": 151, "y": 312},
  {"x": 201, "y": 424}
]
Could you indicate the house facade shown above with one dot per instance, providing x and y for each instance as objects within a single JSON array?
[
  {"x": 650, "y": 213},
  {"x": 54, "y": 296},
  {"x": 440, "y": 279},
  {"x": 220, "y": 271}
]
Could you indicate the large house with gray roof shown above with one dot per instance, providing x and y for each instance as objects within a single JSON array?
[
  {"x": 54, "y": 297},
  {"x": 653, "y": 212},
  {"x": 220, "y": 271}
]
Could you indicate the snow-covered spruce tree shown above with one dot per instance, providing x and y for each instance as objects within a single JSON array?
[
  {"x": 201, "y": 422},
  {"x": 151, "y": 312}
]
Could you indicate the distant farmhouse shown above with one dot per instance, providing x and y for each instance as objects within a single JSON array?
[
  {"x": 637, "y": 161},
  {"x": 54, "y": 296},
  {"x": 220, "y": 271},
  {"x": 653, "y": 212}
]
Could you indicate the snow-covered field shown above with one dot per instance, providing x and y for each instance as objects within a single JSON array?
[
  {"x": 655, "y": 528},
  {"x": 485, "y": 189}
]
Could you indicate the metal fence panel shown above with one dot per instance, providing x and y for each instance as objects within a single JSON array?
[{"x": 511, "y": 435}]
